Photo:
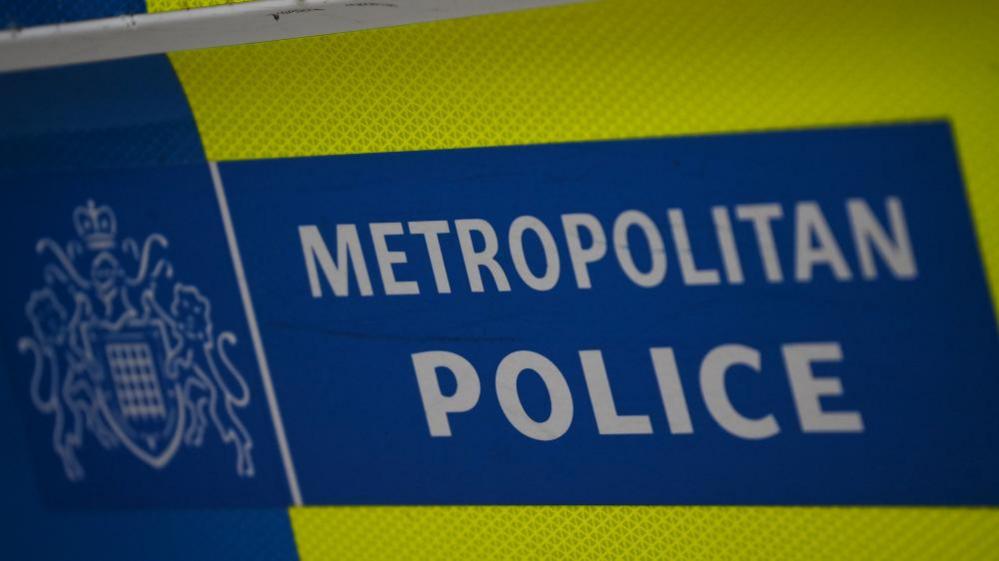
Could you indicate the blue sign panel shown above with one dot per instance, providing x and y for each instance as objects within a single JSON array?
[{"x": 777, "y": 318}]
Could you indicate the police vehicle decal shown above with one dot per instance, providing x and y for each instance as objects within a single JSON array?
[{"x": 112, "y": 360}]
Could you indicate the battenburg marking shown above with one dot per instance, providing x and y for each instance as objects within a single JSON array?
[{"x": 778, "y": 318}]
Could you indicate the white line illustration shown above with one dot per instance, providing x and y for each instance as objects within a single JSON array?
[
  {"x": 113, "y": 361},
  {"x": 258, "y": 344}
]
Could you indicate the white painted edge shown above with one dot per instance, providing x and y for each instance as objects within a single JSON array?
[
  {"x": 258, "y": 344},
  {"x": 232, "y": 24}
]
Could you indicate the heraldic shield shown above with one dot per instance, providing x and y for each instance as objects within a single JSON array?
[
  {"x": 127, "y": 353},
  {"x": 139, "y": 400}
]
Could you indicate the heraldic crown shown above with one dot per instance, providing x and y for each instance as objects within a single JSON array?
[
  {"x": 95, "y": 225},
  {"x": 126, "y": 354}
]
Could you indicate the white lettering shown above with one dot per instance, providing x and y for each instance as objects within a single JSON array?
[
  {"x": 348, "y": 246},
  {"x": 387, "y": 259},
  {"x": 761, "y": 216},
  {"x": 714, "y": 370},
  {"x": 604, "y": 409},
  {"x": 811, "y": 223},
  {"x": 671, "y": 391},
  {"x": 484, "y": 258},
  {"x": 726, "y": 241},
  {"x": 579, "y": 255},
  {"x": 688, "y": 266},
  {"x": 869, "y": 235},
  {"x": 549, "y": 279},
  {"x": 507, "y": 373},
  {"x": 808, "y": 389},
  {"x": 657, "y": 272},
  {"x": 431, "y": 231},
  {"x": 437, "y": 406}
]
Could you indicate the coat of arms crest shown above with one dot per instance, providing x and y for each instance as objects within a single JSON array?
[{"x": 116, "y": 359}]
